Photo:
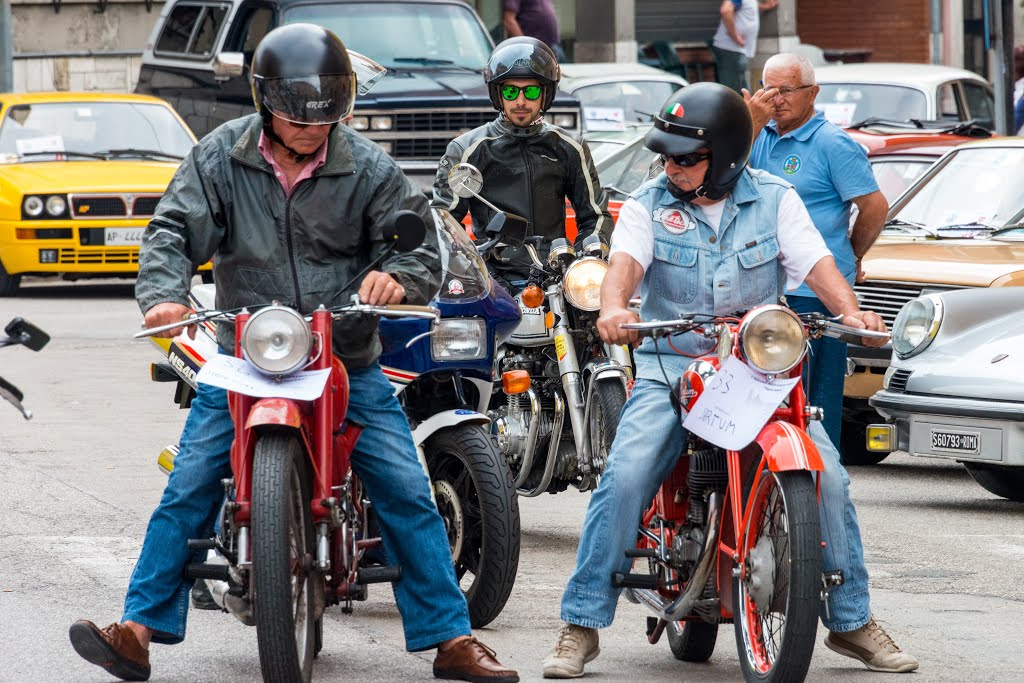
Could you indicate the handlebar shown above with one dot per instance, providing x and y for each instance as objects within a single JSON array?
[{"x": 817, "y": 326}]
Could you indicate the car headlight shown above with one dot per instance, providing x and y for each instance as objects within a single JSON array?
[
  {"x": 773, "y": 339},
  {"x": 381, "y": 123},
  {"x": 565, "y": 120},
  {"x": 582, "y": 283},
  {"x": 386, "y": 145},
  {"x": 277, "y": 340},
  {"x": 459, "y": 339},
  {"x": 916, "y": 325},
  {"x": 359, "y": 122},
  {"x": 56, "y": 205},
  {"x": 33, "y": 206}
]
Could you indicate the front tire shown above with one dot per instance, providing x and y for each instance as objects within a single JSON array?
[
  {"x": 1005, "y": 482},
  {"x": 8, "y": 283},
  {"x": 474, "y": 495},
  {"x": 282, "y": 553},
  {"x": 776, "y": 602},
  {"x": 609, "y": 397}
]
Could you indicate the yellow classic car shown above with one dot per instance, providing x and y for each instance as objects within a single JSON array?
[
  {"x": 958, "y": 226},
  {"x": 80, "y": 177}
]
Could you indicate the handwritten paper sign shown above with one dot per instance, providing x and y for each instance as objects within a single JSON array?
[
  {"x": 47, "y": 143},
  {"x": 236, "y": 374},
  {"x": 735, "y": 405}
]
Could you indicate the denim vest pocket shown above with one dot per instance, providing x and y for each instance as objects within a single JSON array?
[
  {"x": 759, "y": 271},
  {"x": 676, "y": 274}
]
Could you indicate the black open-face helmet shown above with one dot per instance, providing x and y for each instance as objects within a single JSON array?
[
  {"x": 302, "y": 73},
  {"x": 705, "y": 115},
  {"x": 522, "y": 57}
]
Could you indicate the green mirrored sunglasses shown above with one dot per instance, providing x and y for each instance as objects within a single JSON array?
[{"x": 511, "y": 92}]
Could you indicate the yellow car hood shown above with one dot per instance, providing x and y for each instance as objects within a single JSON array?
[
  {"x": 966, "y": 263},
  {"x": 89, "y": 176}
]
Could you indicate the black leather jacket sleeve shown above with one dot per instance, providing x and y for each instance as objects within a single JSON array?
[{"x": 588, "y": 197}]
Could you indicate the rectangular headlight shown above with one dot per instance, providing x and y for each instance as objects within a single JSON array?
[
  {"x": 459, "y": 339},
  {"x": 359, "y": 122},
  {"x": 381, "y": 123},
  {"x": 565, "y": 120}
]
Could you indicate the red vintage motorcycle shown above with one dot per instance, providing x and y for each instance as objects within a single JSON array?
[
  {"x": 733, "y": 535},
  {"x": 294, "y": 527}
]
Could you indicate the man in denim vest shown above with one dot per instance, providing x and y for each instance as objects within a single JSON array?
[{"x": 708, "y": 236}]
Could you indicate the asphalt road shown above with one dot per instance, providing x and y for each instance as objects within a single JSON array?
[{"x": 78, "y": 482}]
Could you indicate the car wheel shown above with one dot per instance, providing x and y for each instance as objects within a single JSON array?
[
  {"x": 8, "y": 283},
  {"x": 853, "y": 448},
  {"x": 1005, "y": 482}
]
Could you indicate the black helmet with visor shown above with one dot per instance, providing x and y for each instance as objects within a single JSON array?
[
  {"x": 522, "y": 57},
  {"x": 705, "y": 116}
]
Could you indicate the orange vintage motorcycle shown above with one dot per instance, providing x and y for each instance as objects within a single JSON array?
[{"x": 734, "y": 535}]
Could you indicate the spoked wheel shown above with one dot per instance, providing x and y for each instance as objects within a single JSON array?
[
  {"x": 473, "y": 491},
  {"x": 282, "y": 553},
  {"x": 609, "y": 397},
  {"x": 776, "y": 602}
]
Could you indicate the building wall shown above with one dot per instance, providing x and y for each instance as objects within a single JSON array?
[{"x": 894, "y": 31}]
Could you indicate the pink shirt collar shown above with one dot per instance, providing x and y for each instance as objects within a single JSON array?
[{"x": 316, "y": 161}]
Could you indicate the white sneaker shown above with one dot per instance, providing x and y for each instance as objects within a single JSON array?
[
  {"x": 576, "y": 646},
  {"x": 873, "y": 646}
]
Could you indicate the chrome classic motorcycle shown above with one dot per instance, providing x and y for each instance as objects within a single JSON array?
[{"x": 554, "y": 365}]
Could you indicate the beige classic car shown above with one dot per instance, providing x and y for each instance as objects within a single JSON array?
[{"x": 957, "y": 227}]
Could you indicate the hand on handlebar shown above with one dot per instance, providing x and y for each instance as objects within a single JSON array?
[
  {"x": 167, "y": 313},
  {"x": 867, "y": 320},
  {"x": 380, "y": 289},
  {"x": 608, "y": 326}
]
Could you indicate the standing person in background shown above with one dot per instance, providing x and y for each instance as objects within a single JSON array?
[
  {"x": 735, "y": 41},
  {"x": 536, "y": 19},
  {"x": 831, "y": 174}
]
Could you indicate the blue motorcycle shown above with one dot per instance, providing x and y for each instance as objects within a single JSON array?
[{"x": 445, "y": 387}]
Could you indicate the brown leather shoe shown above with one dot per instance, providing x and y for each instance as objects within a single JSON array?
[
  {"x": 115, "y": 648},
  {"x": 471, "y": 660}
]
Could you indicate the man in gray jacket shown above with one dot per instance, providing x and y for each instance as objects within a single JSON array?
[{"x": 292, "y": 206}]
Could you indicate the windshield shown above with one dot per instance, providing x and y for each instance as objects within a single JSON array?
[
  {"x": 846, "y": 103},
  {"x": 894, "y": 176},
  {"x": 465, "y": 275},
  {"x": 41, "y": 132},
  {"x": 610, "y": 106},
  {"x": 403, "y": 35},
  {"x": 970, "y": 190}
]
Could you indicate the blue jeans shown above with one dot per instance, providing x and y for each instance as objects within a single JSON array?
[
  {"x": 731, "y": 68},
  {"x": 824, "y": 370},
  {"x": 433, "y": 608},
  {"x": 650, "y": 439}
]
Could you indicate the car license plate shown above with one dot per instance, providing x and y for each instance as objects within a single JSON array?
[
  {"x": 959, "y": 442},
  {"x": 123, "y": 237}
]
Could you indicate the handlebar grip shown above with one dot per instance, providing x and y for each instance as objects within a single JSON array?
[{"x": 398, "y": 308}]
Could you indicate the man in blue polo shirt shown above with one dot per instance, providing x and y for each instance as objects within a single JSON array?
[{"x": 831, "y": 174}]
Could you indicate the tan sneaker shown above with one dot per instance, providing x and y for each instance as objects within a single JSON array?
[
  {"x": 576, "y": 646},
  {"x": 873, "y": 646}
]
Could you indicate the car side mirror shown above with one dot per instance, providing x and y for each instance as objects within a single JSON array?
[{"x": 228, "y": 65}]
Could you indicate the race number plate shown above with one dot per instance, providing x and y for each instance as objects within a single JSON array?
[
  {"x": 957, "y": 442},
  {"x": 123, "y": 237}
]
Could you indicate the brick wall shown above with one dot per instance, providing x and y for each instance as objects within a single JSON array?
[{"x": 894, "y": 30}]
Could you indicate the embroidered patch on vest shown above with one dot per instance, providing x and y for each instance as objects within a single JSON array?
[
  {"x": 674, "y": 220},
  {"x": 791, "y": 165}
]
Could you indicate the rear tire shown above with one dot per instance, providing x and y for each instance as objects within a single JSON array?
[
  {"x": 776, "y": 622},
  {"x": 693, "y": 642},
  {"x": 474, "y": 495},
  {"x": 282, "y": 559},
  {"x": 1005, "y": 482}
]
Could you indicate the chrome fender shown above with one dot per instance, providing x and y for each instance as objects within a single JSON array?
[{"x": 788, "y": 448}]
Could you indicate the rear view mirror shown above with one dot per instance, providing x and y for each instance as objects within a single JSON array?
[
  {"x": 512, "y": 228},
  {"x": 228, "y": 65},
  {"x": 465, "y": 180},
  {"x": 409, "y": 231},
  {"x": 25, "y": 333}
]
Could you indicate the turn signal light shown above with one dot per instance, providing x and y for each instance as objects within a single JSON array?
[
  {"x": 515, "y": 381},
  {"x": 533, "y": 296},
  {"x": 549, "y": 320}
]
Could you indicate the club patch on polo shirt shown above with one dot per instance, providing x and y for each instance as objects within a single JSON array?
[
  {"x": 791, "y": 165},
  {"x": 674, "y": 220}
]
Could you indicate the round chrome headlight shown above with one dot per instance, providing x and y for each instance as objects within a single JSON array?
[
  {"x": 55, "y": 205},
  {"x": 33, "y": 206},
  {"x": 773, "y": 339},
  {"x": 916, "y": 325},
  {"x": 582, "y": 283},
  {"x": 277, "y": 340}
]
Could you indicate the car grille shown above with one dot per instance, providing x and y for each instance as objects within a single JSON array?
[
  {"x": 145, "y": 206},
  {"x": 887, "y": 298},
  {"x": 442, "y": 121},
  {"x": 898, "y": 380},
  {"x": 112, "y": 206},
  {"x": 432, "y": 148},
  {"x": 122, "y": 255}
]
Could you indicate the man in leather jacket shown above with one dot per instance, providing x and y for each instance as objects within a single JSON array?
[
  {"x": 529, "y": 165},
  {"x": 292, "y": 207}
]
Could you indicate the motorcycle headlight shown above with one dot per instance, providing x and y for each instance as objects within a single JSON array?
[
  {"x": 582, "y": 283},
  {"x": 277, "y": 340},
  {"x": 916, "y": 325},
  {"x": 773, "y": 339},
  {"x": 459, "y": 339}
]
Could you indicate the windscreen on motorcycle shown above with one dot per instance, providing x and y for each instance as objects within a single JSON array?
[{"x": 465, "y": 275}]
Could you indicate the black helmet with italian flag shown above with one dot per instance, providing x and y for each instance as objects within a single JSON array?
[{"x": 705, "y": 116}]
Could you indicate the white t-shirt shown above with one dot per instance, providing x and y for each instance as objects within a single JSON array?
[
  {"x": 748, "y": 24},
  {"x": 800, "y": 243}
]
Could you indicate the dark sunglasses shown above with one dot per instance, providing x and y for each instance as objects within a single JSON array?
[
  {"x": 511, "y": 92},
  {"x": 691, "y": 159}
]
